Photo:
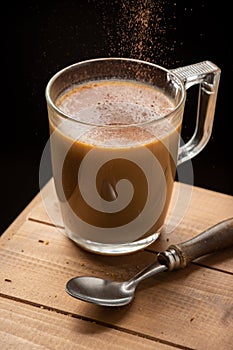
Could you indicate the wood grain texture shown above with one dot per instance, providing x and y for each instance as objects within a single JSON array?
[
  {"x": 197, "y": 301},
  {"x": 37, "y": 328},
  {"x": 186, "y": 309}
]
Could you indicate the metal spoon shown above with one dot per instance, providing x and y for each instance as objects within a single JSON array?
[{"x": 109, "y": 293}]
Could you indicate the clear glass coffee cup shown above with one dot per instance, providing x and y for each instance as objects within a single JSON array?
[{"x": 115, "y": 126}]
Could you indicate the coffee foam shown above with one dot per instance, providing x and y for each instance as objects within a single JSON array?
[
  {"x": 107, "y": 118},
  {"x": 115, "y": 102}
]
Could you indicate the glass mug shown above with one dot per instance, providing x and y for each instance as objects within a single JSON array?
[{"x": 115, "y": 127}]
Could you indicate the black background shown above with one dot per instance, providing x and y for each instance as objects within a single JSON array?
[{"x": 40, "y": 38}]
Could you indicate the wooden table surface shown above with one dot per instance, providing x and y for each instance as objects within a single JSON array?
[{"x": 184, "y": 309}]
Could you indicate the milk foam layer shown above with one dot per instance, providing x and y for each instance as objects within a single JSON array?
[{"x": 115, "y": 103}]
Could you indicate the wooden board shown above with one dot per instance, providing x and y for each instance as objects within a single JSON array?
[
  {"x": 29, "y": 327},
  {"x": 186, "y": 309}
]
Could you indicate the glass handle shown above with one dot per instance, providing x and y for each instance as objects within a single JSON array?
[{"x": 207, "y": 75}]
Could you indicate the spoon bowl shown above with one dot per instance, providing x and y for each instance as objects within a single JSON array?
[{"x": 100, "y": 291}]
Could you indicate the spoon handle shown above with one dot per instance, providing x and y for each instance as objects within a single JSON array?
[{"x": 213, "y": 239}]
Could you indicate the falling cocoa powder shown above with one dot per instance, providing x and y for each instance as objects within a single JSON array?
[{"x": 142, "y": 29}]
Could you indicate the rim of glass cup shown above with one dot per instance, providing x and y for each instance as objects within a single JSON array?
[{"x": 71, "y": 118}]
